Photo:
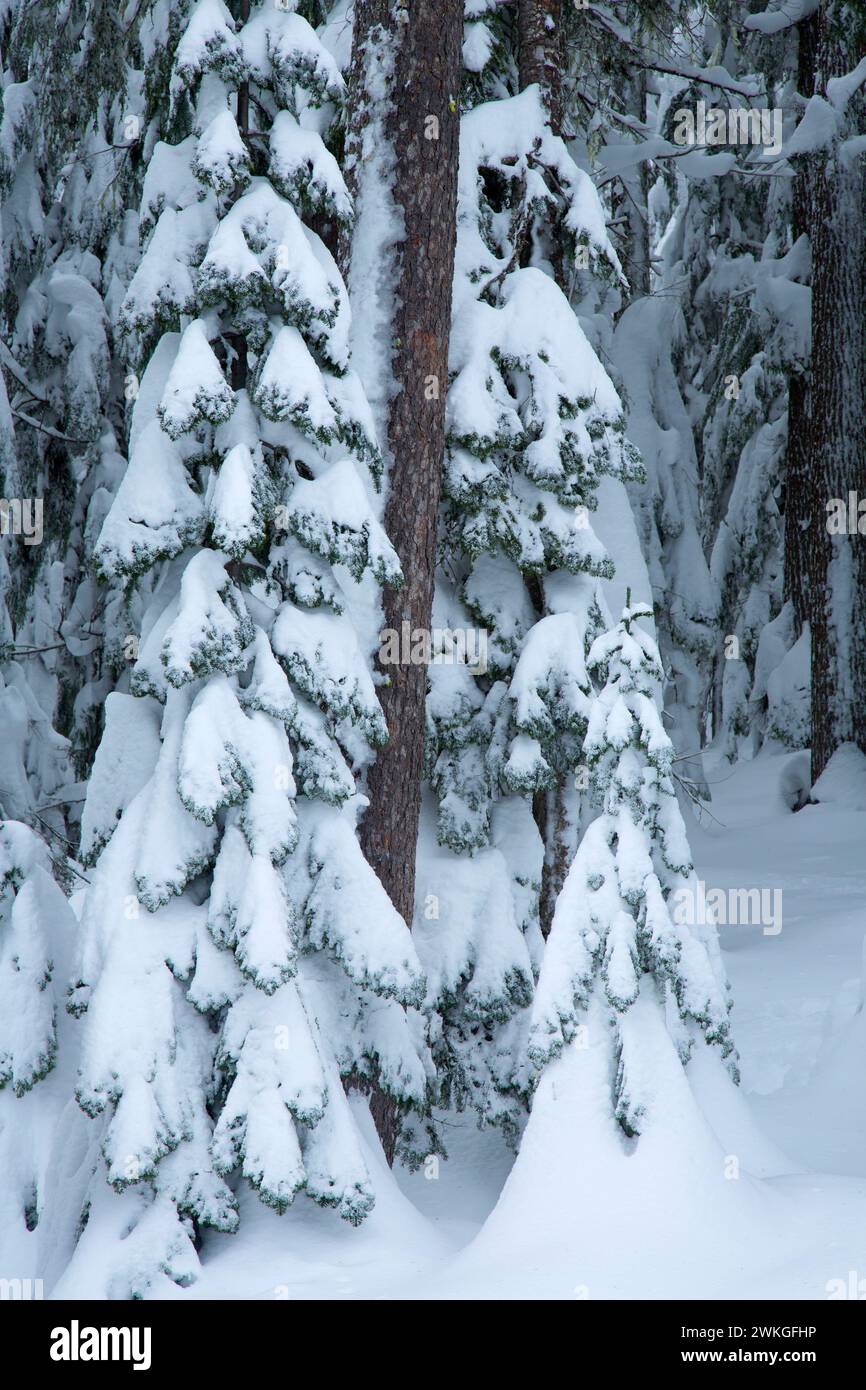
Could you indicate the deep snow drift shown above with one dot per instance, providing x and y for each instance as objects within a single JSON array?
[{"x": 580, "y": 1216}]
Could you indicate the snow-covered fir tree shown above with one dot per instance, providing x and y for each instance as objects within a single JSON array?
[
  {"x": 533, "y": 422},
  {"x": 627, "y": 925},
  {"x": 69, "y": 171},
  {"x": 647, "y": 346},
  {"x": 746, "y": 308},
  {"x": 707, "y": 363},
  {"x": 68, "y": 145},
  {"x": 239, "y": 960},
  {"x": 218, "y": 310}
]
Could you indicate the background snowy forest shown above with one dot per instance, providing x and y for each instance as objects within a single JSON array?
[{"x": 433, "y": 648}]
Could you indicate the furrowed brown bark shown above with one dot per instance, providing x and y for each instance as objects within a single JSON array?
[
  {"x": 798, "y": 453},
  {"x": 541, "y": 57},
  {"x": 836, "y": 563},
  {"x": 417, "y": 50},
  {"x": 797, "y": 503}
]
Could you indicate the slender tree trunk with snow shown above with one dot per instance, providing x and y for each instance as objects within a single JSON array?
[
  {"x": 629, "y": 199},
  {"x": 402, "y": 158},
  {"x": 541, "y": 61},
  {"x": 837, "y": 564}
]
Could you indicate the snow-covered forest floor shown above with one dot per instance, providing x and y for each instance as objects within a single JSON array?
[
  {"x": 800, "y": 1039},
  {"x": 432, "y": 601}
]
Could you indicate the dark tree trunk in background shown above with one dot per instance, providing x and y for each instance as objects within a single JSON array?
[
  {"x": 541, "y": 56},
  {"x": 797, "y": 503},
  {"x": 798, "y": 450},
  {"x": 413, "y": 153},
  {"x": 629, "y": 195},
  {"x": 560, "y": 836},
  {"x": 837, "y": 568}
]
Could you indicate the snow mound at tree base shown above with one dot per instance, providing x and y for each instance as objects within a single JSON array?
[
  {"x": 309, "y": 1253},
  {"x": 843, "y": 780},
  {"x": 588, "y": 1213}
]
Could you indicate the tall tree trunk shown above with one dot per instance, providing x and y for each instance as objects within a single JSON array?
[
  {"x": 402, "y": 167},
  {"x": 837, "y": 567},
  {"x": 798, "y": 451},
  {"x": 541, "y": 56},
  {"x": 797, "y": 504},
  {"x": 541, "y": 60}
]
